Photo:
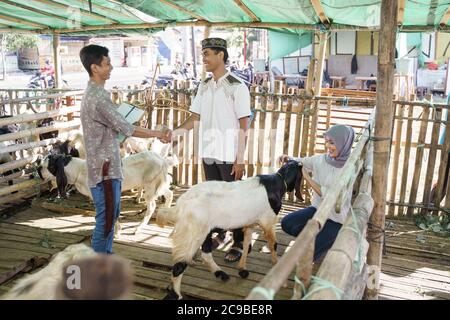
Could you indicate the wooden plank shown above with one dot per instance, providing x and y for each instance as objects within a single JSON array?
[
  {"x": 319, "y": 11},
  {"x": 407, "y": 155},
  {"x": 418, "y": 163},
  {"x": 247, "y": 10},
  {"x": 437, "y": 114},
  {"x": 443, "y": 166},
  {"x": 261, "y": 130},
  {"x": 394, "y": 172},
  {"x": 274, "y": 125},
  {"x": 251, "y": 134},
  {"x": 313, "y": 133},
  {"x": 182, "y": 9}
]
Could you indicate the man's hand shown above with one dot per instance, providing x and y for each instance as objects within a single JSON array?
[
  {"x": 165, "y": 135},
  {"x": 283, "y": 159},
  {"x": 238, "y": 170}
]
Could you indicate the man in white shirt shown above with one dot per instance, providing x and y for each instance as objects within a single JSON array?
[{"x": 222, "y": 108}]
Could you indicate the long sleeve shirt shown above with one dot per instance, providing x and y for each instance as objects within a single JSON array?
[
  {"x": 326, "y": 176},
  {"x": 101, "y": 124}
]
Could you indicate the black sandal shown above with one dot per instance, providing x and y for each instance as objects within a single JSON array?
[{"x": 235, "y": 253}]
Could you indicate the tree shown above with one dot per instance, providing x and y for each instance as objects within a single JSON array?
[{"x": 16, "y": 41}]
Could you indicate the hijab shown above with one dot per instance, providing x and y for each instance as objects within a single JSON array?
[{"x": 342, "y": 136}]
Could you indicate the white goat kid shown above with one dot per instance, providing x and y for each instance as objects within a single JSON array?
[
  {"x": 146, "y": 169},
  {"x": 213, "y": 205}
]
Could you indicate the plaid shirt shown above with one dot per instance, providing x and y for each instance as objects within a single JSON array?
[{"x": 101, "y": 124}]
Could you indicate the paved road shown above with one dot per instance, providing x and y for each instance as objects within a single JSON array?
[{"x": 121, "y": 77}]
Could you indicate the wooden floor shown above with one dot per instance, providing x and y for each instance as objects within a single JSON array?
[{"x": 411, "y": 270}]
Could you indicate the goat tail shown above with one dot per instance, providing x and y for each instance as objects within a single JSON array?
[
  {"x": 188, "y": 235},
  {"x": 167, "y": 216}
]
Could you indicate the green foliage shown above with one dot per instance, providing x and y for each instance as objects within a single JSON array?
[
  {"x": 438, "y": 225},
  {"x": 16, "y": 41}
]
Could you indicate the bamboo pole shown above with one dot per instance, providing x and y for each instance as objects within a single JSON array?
[
  {"x": 276, "y": 277},
  {"x": 344, "y": 251},
  {"x": 56, "y": 60},
  {"x": 15, "y": 164},
  {"x": 23, "y": 118},
  {"x": 25, "y": 146},
  {"x": 19, "y": 186},
  {"x": 12, "y": 100},
  {"x": 383, "y": 129},
  {"x": 323, "y": 37},
  {"x": 30, "y": 132}
]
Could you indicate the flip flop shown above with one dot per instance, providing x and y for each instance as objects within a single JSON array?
[
  {"x": 221, "y": 239},
  {"x": 235, "y": 253}
]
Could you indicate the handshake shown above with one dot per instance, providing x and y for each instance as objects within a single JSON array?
[{"x": 165, "y": 134}]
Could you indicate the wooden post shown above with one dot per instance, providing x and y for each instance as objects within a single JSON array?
[
  {"x": 323, "y": 37},
  {"x": 437, "y": 115},
  {"x": 407, "y": 154},
  {"x": 276, "y": 106},
  {"x": 251, "y": 134},
  {"x": 419, "y": 158},
  {"x": 261, "y": 131},
  {"x": 175, "y": 124},
  {"x": 398, "y": 142},
  {"x": 206, "y": 35},
  {"x": 56, "y": 61},
  {"x": 383, "y": 130}
]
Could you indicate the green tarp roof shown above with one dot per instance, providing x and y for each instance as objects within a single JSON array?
[{"x": 75, "y": 17}]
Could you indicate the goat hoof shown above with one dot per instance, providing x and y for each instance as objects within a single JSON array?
[
  {"x": 222, "y": 275},
  {"x": 243, "y": 273},
  {"x": 172, "y": 295}
]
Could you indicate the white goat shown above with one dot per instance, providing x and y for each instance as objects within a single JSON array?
[
  {"x": 146, "y": 169},
  {"x": 43, "y": 284},
  {"x": 213, "y": 205}
]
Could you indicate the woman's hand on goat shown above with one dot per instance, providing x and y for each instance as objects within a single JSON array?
[
  {"x": 238, "y": 170},
  {"x": 314, "y": 185},
  {"x": 283, "y": 159}
]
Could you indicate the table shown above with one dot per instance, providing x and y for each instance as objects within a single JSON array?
[
  {"x": 360, "y": 81},
  {"x": 337, "y": 82}
]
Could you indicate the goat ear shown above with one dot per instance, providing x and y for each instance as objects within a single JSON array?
[{"x": 298, "y": 184}]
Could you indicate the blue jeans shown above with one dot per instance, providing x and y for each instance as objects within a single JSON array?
[
  {"x": 99, "y": 242},
  {"x": 294, "y": 223}
]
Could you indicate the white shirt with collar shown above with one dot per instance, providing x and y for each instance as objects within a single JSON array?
[{"x": 220, "y": 105}]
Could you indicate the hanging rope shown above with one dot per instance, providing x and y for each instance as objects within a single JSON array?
[
  {"x": 266, "y": 293},
  {"x": 302, "y": 286},
  {"x": 323, "y": 285}
]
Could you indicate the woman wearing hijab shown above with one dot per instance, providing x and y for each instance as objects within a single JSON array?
[{"x": 325, "y": 169}]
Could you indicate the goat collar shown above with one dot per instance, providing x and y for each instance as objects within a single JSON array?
[{"x": 285, "y": 184}]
